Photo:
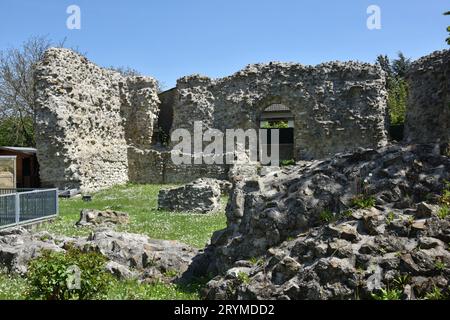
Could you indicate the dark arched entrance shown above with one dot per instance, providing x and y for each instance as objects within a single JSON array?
[{"x": 278, "y": 116}]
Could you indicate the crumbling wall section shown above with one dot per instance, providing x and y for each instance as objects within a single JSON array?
[
  {"x": 86, "y": 117},
  {"x": 156, "y": 166},
  {"x": 428, "y": 112},
  {"x": 140, "y": 108},
  {"x": 337, "y": 106}
]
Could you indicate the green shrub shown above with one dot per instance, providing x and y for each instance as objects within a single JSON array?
[
  {"x": 257, "y": 261},
  {"x": 73, "y": 275},
  {"x": 436, "y": 294},
  {"x": 326, "y": 216},
  {"x": 387, "y": 294},
  {"x": 346, "y": 214},
  {"x": 440, "y": 265},
  {"x": 243, "y": 278},
  {"x": 390, "y": 217},
  {"x": 445, "y": 198},
  {"x": 171, "y": 273},
  {"x": 275, "y": 125},
  {"x": 363, "y": 202},
  {"x": 401, "y": 281},
  {"x": 397, "y": 97},
  {"x": 285, "y": 163},
  {"x": 443, "y": 212}
]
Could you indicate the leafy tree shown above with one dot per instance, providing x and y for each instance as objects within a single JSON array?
[
  {"x": 396, "y": 84},
  {"x": 385, "y": 63},
  {"x": 401, "y": 65},
  {"x": 17, "y": 96},
  {"x": 14, "y": 131},
  {"x": 448, "y": 28},
  {"x": 397, "y": 100}
]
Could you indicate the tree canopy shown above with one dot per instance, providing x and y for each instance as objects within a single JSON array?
[
  {"x": 396, "y": 84},
  {"x": 448, "y": 28}
]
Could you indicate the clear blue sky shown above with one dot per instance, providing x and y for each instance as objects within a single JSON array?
[{"x": 168, "y": 39}]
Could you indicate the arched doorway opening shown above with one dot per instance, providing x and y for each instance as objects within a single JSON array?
[{"x": 278, "y": 116}]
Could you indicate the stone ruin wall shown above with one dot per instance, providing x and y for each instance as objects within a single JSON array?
[
  {"x": 94, "y": 127},
  {"x": 86, "y": 116},
  {"x": 156, "y": 166},
  {"x": 428, "y": 116},
  {"x": 337, "y": 106}
]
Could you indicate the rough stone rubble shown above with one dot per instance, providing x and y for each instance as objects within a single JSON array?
[
  {"x": 297, "y": 234},
  {"x": 130, "y": 255},
  {"x": 90, "y": 217},
  {"x": 200, "y": 196}
]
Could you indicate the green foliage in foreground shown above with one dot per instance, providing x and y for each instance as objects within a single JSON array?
[
  {"x": 53, "y": 276},
  {"x": 13, "y": 287},
  {"x": 363, "y": 202},
  {"x": 443, "y": 212},
  {"x": 436, "y": 294},
  {"x": 285, "y": 163},
  {"x": 326, "y": 216},
  {"x": 140, "y": 201},
  {"x": 387, "y": 294},
  {"x": 132, "y": 290},
  {"x": 445, "y": 199}
]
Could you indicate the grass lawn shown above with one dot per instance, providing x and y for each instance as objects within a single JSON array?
[
  {"x": 140, "y": 202},
  {"x": 13, "y": 287}
]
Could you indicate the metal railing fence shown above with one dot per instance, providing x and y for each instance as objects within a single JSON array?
[{"x": 23, "y": 206}]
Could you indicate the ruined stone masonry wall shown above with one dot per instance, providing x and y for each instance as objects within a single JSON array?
[
  {"x": 337, "y": 106},
  {"x": 140, "y": 108},
  {"x": 428, "y": 116},
  {"x": 94, "y": 127},
  {"x": 154, "y": 166},
  {"x": 85, "y": 118}
]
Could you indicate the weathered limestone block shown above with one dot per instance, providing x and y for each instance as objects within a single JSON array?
[
  {"x": 130, "y": 255},
  {"x": 302, "y": 235},
  {"x": 90, "y": 217},
  {"x": 85, "y": 117},
  {"x": 200, "y": 196},
  {"x": 428, "y": 112}
]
